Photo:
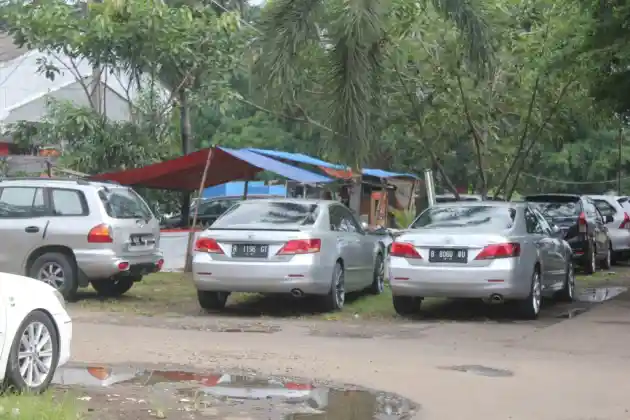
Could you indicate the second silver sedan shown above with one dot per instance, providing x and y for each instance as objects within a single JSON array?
[
  {"x": 302, "y": 247},
  {"x": 490, "y": 250}
]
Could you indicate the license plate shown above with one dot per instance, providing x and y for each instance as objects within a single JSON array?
[
  {"x": 141, "y": 240},
  {"x": 250, "y": 250},
  {"x": 448, "y": 255}
]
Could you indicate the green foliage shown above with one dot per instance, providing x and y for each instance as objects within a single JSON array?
[{"x": 403, "y": 218}]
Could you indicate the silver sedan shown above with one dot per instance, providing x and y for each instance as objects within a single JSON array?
[
  {"x": 296, "y": 246},
  {"x": 490, "y": 250}
]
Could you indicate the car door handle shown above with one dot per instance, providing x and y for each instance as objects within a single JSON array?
[{"x": 31, "y": 229}]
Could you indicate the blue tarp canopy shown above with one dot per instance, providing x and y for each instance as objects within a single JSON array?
[
  {"x": 379, "y": 173},
  {"x": 287, "y": 171},
  {"x": 296, "y": 157},
  {"x": 237, "y": 188}
]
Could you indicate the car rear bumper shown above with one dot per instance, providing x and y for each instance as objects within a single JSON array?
[
  {"x": 98, "y": 264},
  {"x": 456, "y": 282},
  {"x": 262, "y": 277},
  {"x": 620, "y": 239}
]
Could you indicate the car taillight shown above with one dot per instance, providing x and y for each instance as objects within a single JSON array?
[
  {"x": 626, "y": 221},
  {"x": 582, "y": 223},
  {"x": 301, "y": 246},
  {"x": 210, "y": 380},
  {"x": 100, "y": 234},
  {"x": 404, "y": 249},
  {"x": 294, "y": 386},
  {"x": 208, "y": 245},
  {"x": 494, "y": 251}
]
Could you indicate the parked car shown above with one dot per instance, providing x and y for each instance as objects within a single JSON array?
[
  {"x": 489, "y": 250},
  {"x": 619, "y": 227},
  {"x": 35, "y": 333},
  {"x": 209, "y": 211},
  {"x": 582, "y": 224},
  {"x": 70, "y": 233},
  {"x": 297, "y": 246}
]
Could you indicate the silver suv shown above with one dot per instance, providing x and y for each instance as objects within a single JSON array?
[{"x": 70, "y": 233}]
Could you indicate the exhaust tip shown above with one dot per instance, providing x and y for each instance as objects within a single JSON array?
[
  {"x": 297, "y": 293},
  {"x": 496, "y": 298}
]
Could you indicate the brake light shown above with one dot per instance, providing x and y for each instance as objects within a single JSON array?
[
  {"x": 100, "y": 234},
  {"x": 301, "y": 246},
  {"x": 495, "y": 251},
  {"x": 582, "y": 223},
  {"x": 626, "y": 221},
  {"x": 294, "y": 386},
  {"x": 404, "y": 249},
  {"x": 208, "y": 245}
]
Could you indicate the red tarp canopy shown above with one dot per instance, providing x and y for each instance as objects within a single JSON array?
[{"x": 185, "y": 173}]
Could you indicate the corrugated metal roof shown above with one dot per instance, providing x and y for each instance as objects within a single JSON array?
[{"x": 379, "y": 173}]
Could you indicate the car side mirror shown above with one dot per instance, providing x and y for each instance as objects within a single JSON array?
[{"x": 608, "y": 219}]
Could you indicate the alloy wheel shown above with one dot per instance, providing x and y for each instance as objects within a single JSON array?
[
  {"x": 571, "y": 281},
  {"x": 380, "y": 276},
  {"x": 608, "y": 258},
  {"x": 340, "y": 292},
  {"x": 593, "y": 260},
  {"x": 35, "y": 355},
  {"x": 536, "y": 293},
  {"x": 52, "y": 273}
]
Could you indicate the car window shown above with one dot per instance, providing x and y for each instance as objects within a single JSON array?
[
  {"x": 335, "y": 218},
  {"x": 605, "y": 208},
  {"x": 546, "y": 228},
  {"x": 532, "y": 223},
  {"x": 345, "y": 220},
  {"x": 268, "y": 215},
  {"x": 556, "y": 208},
  {"x": 590, "y": 209},
  {"x": 124, "y": 203},
  {"x": 22, "y": 202},
  {"x": 473, "y": 216},
  {"x": 68, "y": 203}
]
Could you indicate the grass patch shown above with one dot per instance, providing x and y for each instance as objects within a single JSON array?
[{"x": 39, "y": 407}]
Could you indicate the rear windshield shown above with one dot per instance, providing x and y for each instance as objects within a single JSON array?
[
  {"x": 556, "y": 207},
  {"x": 451, "y": 199},
  {"x": 491, "y": 218},
  {"x": 124, "y": 203},
  {"x": 268, "y": 215}
]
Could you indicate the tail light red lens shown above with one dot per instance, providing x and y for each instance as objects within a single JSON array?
[
  {"x": 100, "y": 234},
  {"x": 301, "y": 246},
  {"x": 208, "y": 245},
  {"x": 404, "y": 250},
  {"x": 582, "y": 223},
  {"x": 626, "y": 221},
  {"x": 294, "y": 386},
  {"x": 159, "y": 264},
  {"x": 496, "y": 251},
  {"x": 210, "y": 380}
]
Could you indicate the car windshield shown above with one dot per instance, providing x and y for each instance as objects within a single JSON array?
[
  {"x": 124, "y": 203},
  {"x": 268, "y": 215},
  {"x": 556, "y": 207},
  {"x": 491, "y": 218}
]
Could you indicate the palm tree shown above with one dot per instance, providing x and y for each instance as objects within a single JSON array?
[{"x": 354, "y": 42}]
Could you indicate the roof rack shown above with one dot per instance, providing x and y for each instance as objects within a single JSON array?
[{"x": 37, "y": 178}]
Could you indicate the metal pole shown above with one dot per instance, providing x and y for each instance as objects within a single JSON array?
[
  {"x": 430, "y": 186},
  {"x": 620, "y": 142},
  {"x": 245, "y": 188},
  {"x": 191, "y": 234}
]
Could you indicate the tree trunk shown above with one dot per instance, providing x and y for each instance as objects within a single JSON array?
[{"x": 186, "y": 136}]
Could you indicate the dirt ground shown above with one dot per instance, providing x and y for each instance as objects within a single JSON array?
[{"x": 569, "y": 365}]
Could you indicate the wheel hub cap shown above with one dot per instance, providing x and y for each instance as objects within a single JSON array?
[
  {"x": 35, "y": 354},
  {"x": 536, "y": 294},
  {"x": 53, "y": 274},
  {"x": 339, "y": 289}
]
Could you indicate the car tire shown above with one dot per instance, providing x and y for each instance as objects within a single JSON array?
[
  {"x": 567, "y": 294},
  {"x": 336, "y": 297},
  {"x": 113, "y": 287},
  {"x": 212, "y": 301},
  {"x": 606, "y": 263},
  {"x": 58, "y": 270},
  {"x": 37, "y": 329},
  {"x": 378, "y": 276},
  {"x": 590, "y": 265},
  {"x": 406, "y": 305},
  {"x": 529, "y": 308}
]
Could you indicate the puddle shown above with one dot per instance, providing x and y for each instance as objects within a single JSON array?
[
  {"x": 176, "y": 394},
  {"x": 599, "y": 294},
  {"x": 480, "y": 370}
]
